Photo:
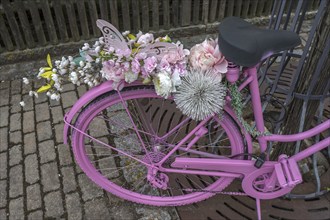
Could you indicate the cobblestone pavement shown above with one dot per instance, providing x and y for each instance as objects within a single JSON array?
[{"x": 38, "y": 175}]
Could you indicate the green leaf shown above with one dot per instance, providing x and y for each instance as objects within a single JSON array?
[
  {"x": 49, "y": 61},
  {"x": 44, "y": 88},
  {"x": 131, "y": 36},
  {"x": 47, "y": 75},
  {"x": 78, "y": 59}
]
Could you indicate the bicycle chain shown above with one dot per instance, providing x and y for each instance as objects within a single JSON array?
[{"x": 210, "y": 191}]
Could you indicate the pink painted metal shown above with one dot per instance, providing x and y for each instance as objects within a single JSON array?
[{"x": 272, "y": 180}]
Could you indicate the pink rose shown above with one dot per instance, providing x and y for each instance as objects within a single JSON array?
[{"x": 207, "y": 57}]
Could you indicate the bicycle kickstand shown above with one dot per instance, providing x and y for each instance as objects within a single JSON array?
[{"x": 258, "y": 208}]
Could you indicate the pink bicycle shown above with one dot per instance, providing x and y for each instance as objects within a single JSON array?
[{"x": 121, "y": 142}]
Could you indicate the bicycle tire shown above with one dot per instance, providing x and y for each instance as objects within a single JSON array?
[{"x": 118, "y": 183}]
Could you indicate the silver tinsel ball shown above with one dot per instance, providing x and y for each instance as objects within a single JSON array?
[{"x": 201, "y": 94}]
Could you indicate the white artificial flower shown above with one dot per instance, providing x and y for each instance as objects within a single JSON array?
[
  {"x": 163, "y": 84},
  {"x": 55, "y": 77},
  {"x": 22, "y": 103},
  {"x": 90, "y": 84},
  {"x": 70, "y": 58},
  {"x": 57, "y": 62},
  {"x": 81, "y": 63},
  {"x": 131, "y": 77},
  {"x": 145, "y": 38},
  {"x": 139, "y": 34},
  {"x": 58, "y": 87},
  {"x": 86, "y": 46},
  {"x": 176, "y": 80},
  {"x": 64, "y": 63},
  {"x": 33, "y": 93},
  {"x": 63, "y": 71},
  {"x": 97, "y": 49},
  {"x": 97, "y": 60},
  {"x": 97, "y": 43},
  {"x": 101, "y": 40},
  {"x": 55, "y": 96},
  {"x": 125, "y": 33},
  {"x": 26, "y": 81},
  {"x": 48, "y": 94}
]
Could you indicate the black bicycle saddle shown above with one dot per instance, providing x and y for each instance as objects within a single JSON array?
[{"x": 245, "y": 44}]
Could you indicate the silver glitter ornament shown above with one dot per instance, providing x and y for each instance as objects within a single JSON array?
[{"x": 201, "y": 94}]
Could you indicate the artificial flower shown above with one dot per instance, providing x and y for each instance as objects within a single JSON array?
[
  {"x": 207, "y": 57},
  {"x": 163, "y": 84}
]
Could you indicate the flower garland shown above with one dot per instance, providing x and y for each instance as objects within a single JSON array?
[
  {"x": 237, "y": 105},
  {"x": 194, "y": 77}
]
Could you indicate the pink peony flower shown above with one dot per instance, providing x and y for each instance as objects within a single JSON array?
[
  {"x": 207, "y": 57},
  {"x": 136, "y": 67},
  {"x": 174, "y": 56},
  {"x": 110, "y": 72},
  {"x": 150, "y": 64}
]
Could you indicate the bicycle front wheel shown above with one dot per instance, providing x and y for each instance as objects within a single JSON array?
[{"x": 115, "y": 144}]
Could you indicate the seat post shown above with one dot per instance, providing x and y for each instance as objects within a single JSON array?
[{"x": 256, "y": 105}]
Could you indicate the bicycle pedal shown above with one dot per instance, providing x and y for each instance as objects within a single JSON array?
[{"x": 287, "y": 172}]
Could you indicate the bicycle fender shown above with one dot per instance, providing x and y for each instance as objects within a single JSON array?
[{"x": 85, "y": 99}]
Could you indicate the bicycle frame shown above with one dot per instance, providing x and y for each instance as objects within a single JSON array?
[{"x": 240, "y": 167}]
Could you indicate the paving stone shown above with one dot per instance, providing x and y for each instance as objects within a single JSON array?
[
  {"x": 14, "y": 103},
  {"x": 59, "y": 133},
  {"x": 37, "y": 215},
  {"x": 68, "y": 99},
  {"x": 28, "y": 121},
  {"x": 47, "y": 151},
  {"x": 15, "y": 137},
  {"x": 69, "y": 181},
  {"x": 64, "y": 152},
  {"x": 4, "y": 84},
  {"x": 30, "y": 143},
  {"x": 29, "y": 103},
  {"x": 42, "y": 98},
  {"x": 3, "y": 193},
  {"x": 3, "y": 139},
  {"x": 15, "y": 155},
  {"x": 15, "y": 122},
  {"x": 89, "y": 189},
  {"x": 3, "y": 214},
  {"x": 53, "y": 205},
  {"x": 49, "y": 177},
  {"x": 3, "y": 165},
  {"x": 16, "y": 181},
  {"x": 33, "y": 196},
  {"x": 26, "y": 88},
  {"x": 96, "y": 209},
  {"x": 4, "y": 94},
  {"x": 57, "y": 114},
  {"x": 73, "y": 206},
  {"x": 31, "y": 168},
  {"x": 42, "y": 112},
  {"x": 81, "y": 90},
  {"x": 4, "y": 115},
  {"x": 54, "y": 103},
  {"x": 44, "y": 131},
  {"x": 16, "y": 209},
  {"x": 68, "y": 87},
  {"x": 16, "y": 86}
]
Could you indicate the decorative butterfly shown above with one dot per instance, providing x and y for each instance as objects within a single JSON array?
[{"x": 113, "y": 38}]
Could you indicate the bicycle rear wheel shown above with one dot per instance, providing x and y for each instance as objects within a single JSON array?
[{"x": 115, "y": 157}]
